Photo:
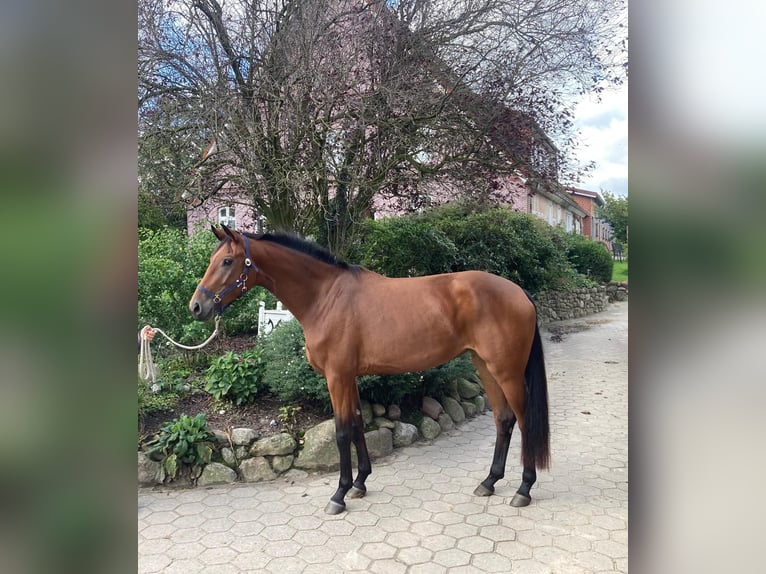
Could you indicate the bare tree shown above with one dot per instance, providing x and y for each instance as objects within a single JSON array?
[{"x": 317, "y": 106}]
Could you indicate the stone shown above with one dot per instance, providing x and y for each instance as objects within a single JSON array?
[
  {"x": 467, "y": 389},
  {"x": 279, "y": 444},
  {"x": 228, "y": 457},
  {"x": 366, "y": 409},
  {"x": 378, "y": 410},
  {"x": 445, "y": 422},
  {"x": 394, "y": 412},
  {"x": 479, "y": 403},
  {"x": 431, "y": 408},
  {"x": 320, "y": 451},
  {"x": 451, "y": 389},
  {"x": 469, "y": 409},
  {"x": 382, "y": 423},
  {"x": 404, "y": 434},
  {"x": 379, "y": 443},
  {"x": 217, "y": 473},
  {"x": 150, "y": 472},
  {"x": 220, "y": 437},
  {"x": 243, "y": 436},
  {"x": 282, "y": 464},
  {"x": 453, "y": 409},
  {"x": 429, "y": 428},
  {"x": 256, "y": 469}
]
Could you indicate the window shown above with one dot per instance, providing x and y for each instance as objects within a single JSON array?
[
  {"x": 226, "y": 217},
  {"x": 260, "y": 224}
]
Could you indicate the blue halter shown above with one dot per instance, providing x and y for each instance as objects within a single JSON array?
[{"x": 240, "y": 283}]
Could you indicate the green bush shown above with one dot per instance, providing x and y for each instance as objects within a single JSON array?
[
  {"x": 286, "y": 371},
  {"x": 185, "y": 441},
  {"x": 403, "y": 247},
  {"x": 170, "y": 265},
  {"x": 435, "y": 380},
  {"x": 591, "y": 258},
  {"x": 235, "y": 377},
  {"x": 389, "y": 389},
  {"x": 517, "y": 246}
]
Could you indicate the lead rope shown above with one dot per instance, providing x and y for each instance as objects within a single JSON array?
[{"x": 147, "y": 370}]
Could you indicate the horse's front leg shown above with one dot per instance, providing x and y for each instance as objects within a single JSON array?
[{"x": 348, "y": 427}]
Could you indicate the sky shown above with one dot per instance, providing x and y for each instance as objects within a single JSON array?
[{"x": 603, "y": 139}]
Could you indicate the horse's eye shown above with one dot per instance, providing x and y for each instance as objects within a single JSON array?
[{"x": 227, "y": 261}]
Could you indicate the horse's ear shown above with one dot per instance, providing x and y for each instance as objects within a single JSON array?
[
  {"x": 217, "y": 232},
  {"x": 227, "y": 231}
]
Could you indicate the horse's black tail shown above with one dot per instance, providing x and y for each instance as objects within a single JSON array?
[{"x": 536, "y": 431}]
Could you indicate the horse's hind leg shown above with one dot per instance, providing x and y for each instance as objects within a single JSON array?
[
  {"x": 504, "y": 422},
  {"x": 507, "y": 403}
]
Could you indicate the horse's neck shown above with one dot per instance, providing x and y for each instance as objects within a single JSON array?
[{"x": 298, "y": 280}]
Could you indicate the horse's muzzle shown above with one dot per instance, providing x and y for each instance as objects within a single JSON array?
[{"x": 199, "y": 310}]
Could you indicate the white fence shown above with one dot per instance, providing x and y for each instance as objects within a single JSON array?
[{"x": 270, "y": 318}]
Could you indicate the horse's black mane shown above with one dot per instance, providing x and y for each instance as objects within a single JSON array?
[{"x": 297, "y": 243}]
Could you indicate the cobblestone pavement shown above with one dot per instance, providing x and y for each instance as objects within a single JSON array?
[{"x": 420, "y": 515}]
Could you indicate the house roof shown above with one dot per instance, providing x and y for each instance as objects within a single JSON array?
[{"x": 586, "y": 193}]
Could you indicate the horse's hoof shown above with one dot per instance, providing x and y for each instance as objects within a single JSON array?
[
  {"x": 482, "y": 490},
  {"x": 520, "y": 500},
  {"x": 334, "y": 507},
  {"x": 356, "y": 492}
]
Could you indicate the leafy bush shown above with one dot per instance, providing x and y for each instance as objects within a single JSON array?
[
  {"x": 435, "y": 380},
  {"x": 517, "y": 246},
  {"x": 286, "y": 372},
  {"x": 591, "y": 258},
  {"x": 388, "y": 389},
  {"x": 183, "y": 441},
  {"x": 404, "y": 247},
  {"x": 170, "y": 265},
  {"x": 235, "y": 377}
]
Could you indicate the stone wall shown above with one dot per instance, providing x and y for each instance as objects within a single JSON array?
[
  {"x": 560, "y": 305},
  {"x": 242, "y": 456}
]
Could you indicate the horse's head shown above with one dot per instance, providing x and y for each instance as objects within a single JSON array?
[{"x": 226, "y": 277}]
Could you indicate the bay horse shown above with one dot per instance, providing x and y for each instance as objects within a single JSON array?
[{"x": 357, "y": 322}]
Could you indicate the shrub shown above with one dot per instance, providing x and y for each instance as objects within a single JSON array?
[
  {"x": 286, "y": 372},
  {"x": 517, "y": 246},
  {"x": 388, "y": 389},
  {"x": 235, "y": 377},
  {"x": 591, "y": 258},
  {"x": 435, "y": 380},
  {"x": 403, "y": 247},
  {"x": 184, "y": 441},
  {"x": 170, "y": 265}
]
